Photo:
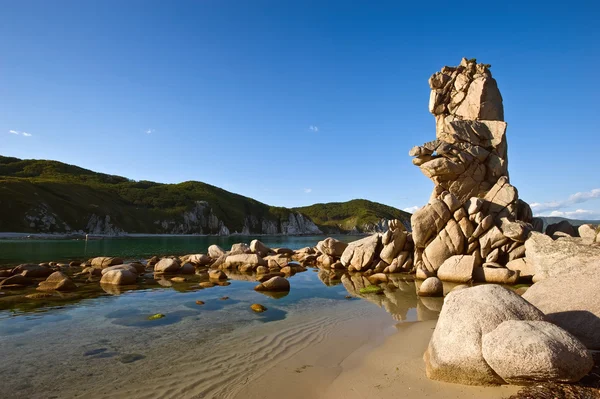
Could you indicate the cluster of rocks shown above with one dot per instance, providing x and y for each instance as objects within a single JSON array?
[
  {"x": 474, "y": 225},
  {"x": 489, "y": 335},
  {"x": 388, "y": 252},
  {"x": 476, "y": 229}
]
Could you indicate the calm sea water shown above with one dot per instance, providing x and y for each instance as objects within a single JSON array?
[
  {"x": 17, "y": 251},
  {"x": 59, "y": 344}
]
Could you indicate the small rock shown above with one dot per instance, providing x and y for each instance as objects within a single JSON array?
[
  {"x": 156, "y": 316},
  {"x": 276, "y": 284},
  {"x": 224, "y": 298},
  {"x": 206, "y": 284},
  {"x": 178, "y": 279},
  {"x": 432, "y": 286},
  {"x": 199, "y": 302},
  {"x": 258, "y": 308}
]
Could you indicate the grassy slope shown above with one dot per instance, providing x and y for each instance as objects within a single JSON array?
[
  {"x": 75, "y": 193},
  {"x": 346, "y": 216}
]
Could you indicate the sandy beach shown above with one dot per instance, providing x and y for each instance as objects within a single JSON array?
[{"x": 389, "y": 365}]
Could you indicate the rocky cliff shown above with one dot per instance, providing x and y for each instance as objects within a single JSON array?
[{"x": 52, "y": 197}]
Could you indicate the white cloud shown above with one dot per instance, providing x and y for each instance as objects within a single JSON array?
[
  {"x": 18, "y": 133},
  {"x": 308, "y": 190},
  {"x": 150, "y": 131},
  {"x": 576, "y": 198},
  {"x": 411, "y": 209},
  {"x": 314, "y": 128}
]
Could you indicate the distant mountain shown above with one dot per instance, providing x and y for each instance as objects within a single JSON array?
[
  {"x": 574, "y": 222},
  {"x": 355, "y": 215},
  {"x": 39, "y": 196}
]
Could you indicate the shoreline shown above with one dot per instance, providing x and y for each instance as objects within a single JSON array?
[{"x": 67, "y": 236}]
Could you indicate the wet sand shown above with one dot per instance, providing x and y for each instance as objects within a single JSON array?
[{"x": 382, "y": 367}]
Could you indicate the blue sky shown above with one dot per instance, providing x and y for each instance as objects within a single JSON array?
[{"x": 297, "y": 102}]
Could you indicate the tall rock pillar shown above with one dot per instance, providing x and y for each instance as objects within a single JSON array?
[{"x": 473, "y": 211}]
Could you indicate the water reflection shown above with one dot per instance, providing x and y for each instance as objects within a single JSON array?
[{"x": 398, "y": 296}]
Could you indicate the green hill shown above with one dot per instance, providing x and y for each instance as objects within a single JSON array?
[
  {"x": 38, "y": 196},
  {"x": 358, "y": 214}
]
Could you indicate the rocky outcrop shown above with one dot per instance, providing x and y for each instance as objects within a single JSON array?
[
  {"x": 571, "y": 301},
  {"x": 522, "y": 352},
  {"x": 551, "y": 258},
  {"x": 473, "y": 210},
  {"x": 455, "y": 353}
]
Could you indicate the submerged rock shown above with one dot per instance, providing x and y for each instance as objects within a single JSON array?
[
  {"x": 57, "y": 281},
  {"x": 118, "y": 277},
  {"x": 276, "y": 284},
  {"x": 167, "y": 265},
  {"x": 33, "y": 271},
  {"x": 258, "y": 308}
]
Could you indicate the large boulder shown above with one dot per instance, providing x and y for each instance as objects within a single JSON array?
[
  {"x": 259, "y": 248},
  {"x": 240, "y": 248},
  {"x": 167, "y": 265},
  {"x": 129, "y": 267},
  {"x": 105, "y": 261},
  {"x": 275, "y": 284},
  {"x": 57, "y": 281},
  {"x": 215, "y": 251},
  {"x": 32, "y": 270},
  {"x": 118, "y": 277},
  {"x": 454, "y": 352},
  {"x": 251, "y": 261},
  {"x": 393, "y": 243},
  {"x": 361, "y": 253},
  {"x": 589, "y": 233},
  {"x": 556, "y": 257},
  {"x": 332, "y": 247},
  {"x": 200, "y": 259},
  {"x": 457, "y": 269},
  {"x": 571, "y": 302},
  {"x": 522, "y": 352}
]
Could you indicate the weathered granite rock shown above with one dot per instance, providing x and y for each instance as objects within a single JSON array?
[
  {"x": 332, "y": 247},
  {"x": 57, "y": 281},
  {"x": 571, "y": 302},
  {"x": 360, "y": 254},
  {"x": 243, "y": 259},
  {"x": 200, "y": 259},
  {"x": 491, "y": 273},
  {"x": 589, "y": 233},
  {"x": 167, "y": 265},
  {"x": 118, "y": 277},
  {"x": 473, "y": 209},
  {"x": 557, "y": 257},
  {"x": 432, "y": 286},
  {"x": 522, "y": 352},
  {"x": 215, "y": 251},
  {"x": 275, "y": 284},
  {"x": 454, "y": 353},
  {"x": 105, "y": 261},
  {"x": 522, "y": 266},
  {"x": 240, "y": 248},
  {"x": 457, "y": 269},
  {"x": 259, "y": 248},
  {"x": 128, "y": 267}
]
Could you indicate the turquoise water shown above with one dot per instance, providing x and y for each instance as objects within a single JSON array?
[{"x": 16, "y": 251}]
